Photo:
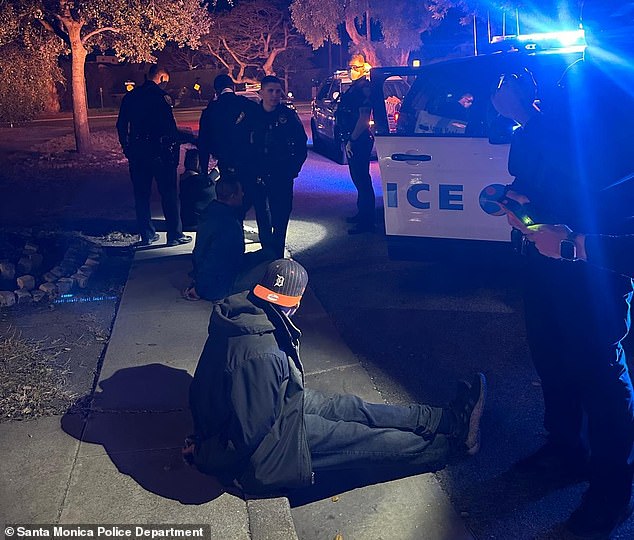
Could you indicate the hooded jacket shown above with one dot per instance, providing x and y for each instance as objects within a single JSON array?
[{"x": 247, "y": 398}]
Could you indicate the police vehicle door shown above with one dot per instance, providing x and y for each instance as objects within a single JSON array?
[{"x": 436, "y": 159}]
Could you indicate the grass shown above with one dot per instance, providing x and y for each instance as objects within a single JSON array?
[{"x": 32, "y": 383}]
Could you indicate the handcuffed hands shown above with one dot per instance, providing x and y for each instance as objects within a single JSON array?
[{"x": 348, "y": 149}]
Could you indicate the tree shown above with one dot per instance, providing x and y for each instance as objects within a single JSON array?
[
  {"x": 28, "y": 68},
  {"x": 132, "y": 28},
  {"x": 248, "y": 39},
  {"x": 181, "y": 58},
  {"x": 384, "y": 32}
]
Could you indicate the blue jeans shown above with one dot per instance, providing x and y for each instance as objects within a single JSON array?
[{"x": 345, "y": 432}]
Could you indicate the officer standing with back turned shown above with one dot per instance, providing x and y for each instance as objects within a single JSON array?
[{"x": 151, "y": 142}]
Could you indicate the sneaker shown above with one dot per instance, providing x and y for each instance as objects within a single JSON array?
[
  {"x": 468, "y": 406},
  {"x": 597, "y": 517},
  {"x": 185, "y": 239},
  {"x": 148, "y": 241}
]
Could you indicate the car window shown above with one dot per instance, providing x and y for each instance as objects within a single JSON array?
[
  {"x": 324, "y": 91},
  {"x": 453, "y": 99},
  {"x": 450, "y": 100},
  {"x": 338, "y": 88}
]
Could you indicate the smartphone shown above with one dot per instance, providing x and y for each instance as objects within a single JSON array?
[{"x": 520, "y": 211}]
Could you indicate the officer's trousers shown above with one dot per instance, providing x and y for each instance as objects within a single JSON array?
[
  {"x": 345, "y": 432},
  {"x": 359, "y": 166},
  {"x": 575, "y": 319},
  {"x": 272, "y": 199},
  {"x": 142, "y": 170}
]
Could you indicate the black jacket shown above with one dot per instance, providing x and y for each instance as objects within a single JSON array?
[
  {"x": 247, "y": 398},
  {"x": 279, "y": 141},
  {"x": 225, "y": 127},
  {"x": 219, "y": 251},
  {"x": 146, "y": 125},
  {"x": 354, "y": 99}
]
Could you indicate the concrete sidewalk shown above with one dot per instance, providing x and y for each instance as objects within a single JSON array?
[{"x": 122, "y": 463}]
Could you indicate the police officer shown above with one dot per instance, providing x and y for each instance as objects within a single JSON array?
[
  {"x": 225, "y": 127},
  {"x": 151, "y": 142},
  {"x": 353, "y": 124},
  {"x": 571, "y": 162},
  {"x": 279, "y": 141}
]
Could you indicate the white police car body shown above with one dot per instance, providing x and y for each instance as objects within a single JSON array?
[{"x": 449, "y": 144}]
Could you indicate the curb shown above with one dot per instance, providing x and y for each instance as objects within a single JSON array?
[{"x": 270, "y": 519}]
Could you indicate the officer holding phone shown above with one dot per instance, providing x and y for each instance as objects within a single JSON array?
[{"x": 567, "y": 160}]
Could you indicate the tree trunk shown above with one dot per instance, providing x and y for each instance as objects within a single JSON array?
[
  {"x": 78, "y": 85},
  {"x": 365, "y": 47}
]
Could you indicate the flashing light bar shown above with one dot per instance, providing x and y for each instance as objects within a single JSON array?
[{"x": 565, "y": 39}]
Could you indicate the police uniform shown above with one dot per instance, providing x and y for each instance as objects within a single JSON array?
[
  {"x": 225, "y": 127},
  {"x": 569, "y": 162},
  {"x": 356, "y": 98},
  {"x": 149, "y": 138},
  {"x": 279, "y": 142}
]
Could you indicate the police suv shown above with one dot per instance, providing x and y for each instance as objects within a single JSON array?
[{"x": 448, "y": 146}]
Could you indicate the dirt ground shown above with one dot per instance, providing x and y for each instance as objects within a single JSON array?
[{"x": 51, "y": 198}]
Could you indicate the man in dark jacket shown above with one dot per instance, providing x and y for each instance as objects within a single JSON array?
[
  {"x": 573, "y": 164},
  {"x": 224, "y": 130},
  {"x": 280, "y": 150},
  {"x": 256, "y": 424},
  {"x": 221, "y": 267},
  {"x": 151, "y": 142}
]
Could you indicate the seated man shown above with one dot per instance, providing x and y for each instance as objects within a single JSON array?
[
  {"x": 221, "y": 267},
  {"x": 258, "y": 427},
  {"x": 196, "y": 190}
]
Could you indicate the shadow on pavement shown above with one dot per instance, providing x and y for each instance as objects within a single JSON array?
[{"x": 141, "y": 418}]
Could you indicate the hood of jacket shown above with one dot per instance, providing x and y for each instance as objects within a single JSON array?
[{"x": 246, "y": 314}]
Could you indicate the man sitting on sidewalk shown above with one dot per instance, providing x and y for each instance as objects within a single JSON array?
[
  {"x": 221, "y": 267},
  {"x": 258, "y": 427}
]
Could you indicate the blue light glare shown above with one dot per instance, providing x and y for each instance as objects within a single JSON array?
[{"x": 565, "y": 38}]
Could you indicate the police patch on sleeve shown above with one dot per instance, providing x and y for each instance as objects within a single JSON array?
[
  {"x": 168, "y": 100},
  {"x": 283, "y": 119}
]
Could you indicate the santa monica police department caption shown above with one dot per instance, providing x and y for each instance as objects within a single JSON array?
[{"x": 148, "y": 532}]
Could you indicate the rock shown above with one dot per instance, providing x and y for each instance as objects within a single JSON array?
[
  {"x": 38, "y": 295},
  {"x": 81, "y": 279},
  {"x": 92, "y": 261},
  {"x": 49, "y": 288},
  {"x": 85, "y": 269},
  {"x": 26, "y": 282},
  {"x": 7, "y": 298},
  {"x": 23, "y": 296},
  {"x": 49, "y": 277},
  {"x": 57, "y": 271},
  {"x": 7, "y": 270},
  {"x": 30, "y": 247},
  {"x": 65, "y": 285}
]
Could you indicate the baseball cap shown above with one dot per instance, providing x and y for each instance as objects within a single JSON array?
[{"x": 283, "y": 283}]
